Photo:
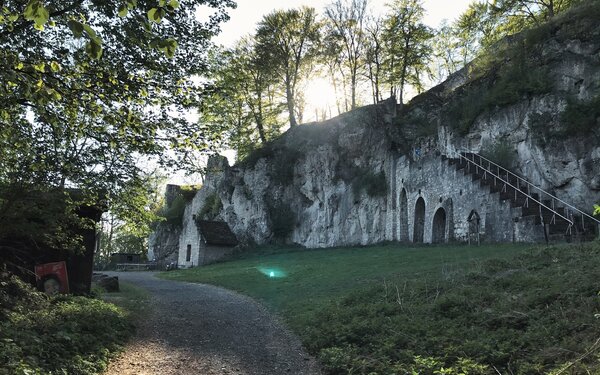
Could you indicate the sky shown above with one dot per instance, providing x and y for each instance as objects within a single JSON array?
[{"x": 249, "y": 12}]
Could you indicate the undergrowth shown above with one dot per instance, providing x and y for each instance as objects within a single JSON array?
[
  {"x": 530, "y": 315},
  {"x": 58, "y": 335}
]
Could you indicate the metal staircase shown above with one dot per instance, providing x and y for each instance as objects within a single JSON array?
[{"x": 560, "y": 219}]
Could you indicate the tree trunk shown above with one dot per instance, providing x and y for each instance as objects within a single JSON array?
[{"x": 290, "y": 104}]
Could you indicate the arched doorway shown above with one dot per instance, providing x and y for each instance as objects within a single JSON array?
[
  {"x": 419, "y": 223},
  {"x": 438, "y": 227},
  {"x": 403, "y": 216},
  {"x": 474, "y": 221}
]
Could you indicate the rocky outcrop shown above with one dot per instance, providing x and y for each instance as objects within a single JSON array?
[{"x": 364, "y": 176}]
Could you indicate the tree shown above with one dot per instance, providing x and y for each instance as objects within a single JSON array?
[
  {"x": 347, "y": 19},
  {"x": 374, "y": 57},
  {"x": 447, "y": 52},
  {"x": 535, "y": 11},
  {"x": 407, "y": 47},
  {"x": 288, "y": 40},
  {"x": 243, "y": 100},
  {"x": 89, "y": 89}
]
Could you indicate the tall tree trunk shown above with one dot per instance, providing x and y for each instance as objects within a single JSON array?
[
  {"x": 290, "y": 103},
  {"x": 353, "y": 87}
]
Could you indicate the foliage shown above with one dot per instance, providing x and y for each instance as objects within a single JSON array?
[
  {"x": 345, "y": 24},
  {"x": 501, "y": 152},
  {"x": 173, "y": 213},
  {"x": 288, "y": 40},
  {"x": 400, "y": 309},
  {"x": 596, "y": 210},
  {"x": 211, "y": 208},
  {"x": 422, "y": 126},
  {"x": 581, "y": 117},
  {"x": 71, "y": 335},
  {"x": 282, "y": 218},
  {"x": 372, "y": 183},
  {"x": 406, "y": 38},
  {"x": 242, "y": 103},
  {"x": 189, "y": 191},
  {"x": 503, "y": 78},
  {"x": 89, "y": 87}
]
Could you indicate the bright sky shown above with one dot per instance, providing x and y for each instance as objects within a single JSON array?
[{"x": 249, "y": 12}]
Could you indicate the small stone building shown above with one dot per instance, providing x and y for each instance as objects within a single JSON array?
[
  {"x": 124, "y": 258},
  {"x": 215, "y": 241}
]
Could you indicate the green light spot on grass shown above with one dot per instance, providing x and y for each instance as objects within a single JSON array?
[{"x": 272, "y": 273}]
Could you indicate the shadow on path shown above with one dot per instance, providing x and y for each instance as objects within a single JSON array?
[{"x": 203, "y": 329}]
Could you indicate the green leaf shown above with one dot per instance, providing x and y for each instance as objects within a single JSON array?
[
  {"x": 93, "y": 49},
  {"x": 168, "y": 46},
  {"x": 596, "y": 210},
  {"x": 92, "y": 34},
  {"x": 123, "y": 10},
  {"x": 36, "y": 12},
  {"x": 55, "y": 66},
  {"x": 76, "y": 28},
  {"x": 156, "y": 14},
  {"x": 131, "y": 4},
  {"x": 174, "y": 4}
]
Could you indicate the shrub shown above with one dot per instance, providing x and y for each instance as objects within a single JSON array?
[
  {"x": 58, "y": 335},
  {"x": 581, "y": 117},
  {"x": 189, "y": 191},
  {"x": 264, "y": 151},
  {"x": 374, "y": 184},
  {"x": 211, "y": 208},
  {"x": 511, "y": 74},
  {"x": 423, "y": 127},
  {"x": 500, "y": 152},
  {"x": 173, "y": 214}
]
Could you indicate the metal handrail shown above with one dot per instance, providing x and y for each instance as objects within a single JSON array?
[
  {"x": 529, "y": 185},
  {"x": 516, "y": 188}
]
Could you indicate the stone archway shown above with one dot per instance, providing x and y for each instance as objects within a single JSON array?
[
  {"x": 474, "y": 221},
  {"x": 403, "y": 216},
  {"x": 419, "y": 223},
  {"x": 438, "y": 226}
]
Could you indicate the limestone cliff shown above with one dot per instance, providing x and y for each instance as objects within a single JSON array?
[{"x": 377, "y": 173}]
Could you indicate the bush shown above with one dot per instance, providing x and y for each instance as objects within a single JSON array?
[
  {"x": 58, "y": 335},
  {"x": 189, "y": 191},
  {"x": 581, "y": 117},
  {"x": 212, "y": 207},
  {"x": 500, "y": 152},
  {"x": 173, "y": 214},
  {"x": 374, "y": 184},
  {"x": 505, "y": 78}
]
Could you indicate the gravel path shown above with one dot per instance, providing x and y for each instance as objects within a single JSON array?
[{"x": 203, "y": 329}]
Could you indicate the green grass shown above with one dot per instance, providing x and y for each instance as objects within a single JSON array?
[
  {"x": 304, "y": 277},
  {"x": 429, "y": 310},
  {"x": 131, "y": 299}
]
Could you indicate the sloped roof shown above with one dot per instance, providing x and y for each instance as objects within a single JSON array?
[{"x": 217, "y": 233}]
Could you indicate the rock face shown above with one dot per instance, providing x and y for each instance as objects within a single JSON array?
[
  {"x": 379, "y": 173},
  {"x": 163, "y": 244}
]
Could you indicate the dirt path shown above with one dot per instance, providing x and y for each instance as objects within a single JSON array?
[{"x": 202, "y": 329}]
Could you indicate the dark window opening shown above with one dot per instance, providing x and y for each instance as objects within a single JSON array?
[{"x": 188, "y": 255}]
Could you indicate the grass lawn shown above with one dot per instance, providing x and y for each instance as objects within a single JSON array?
[{"x": 397, "y": 309}]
